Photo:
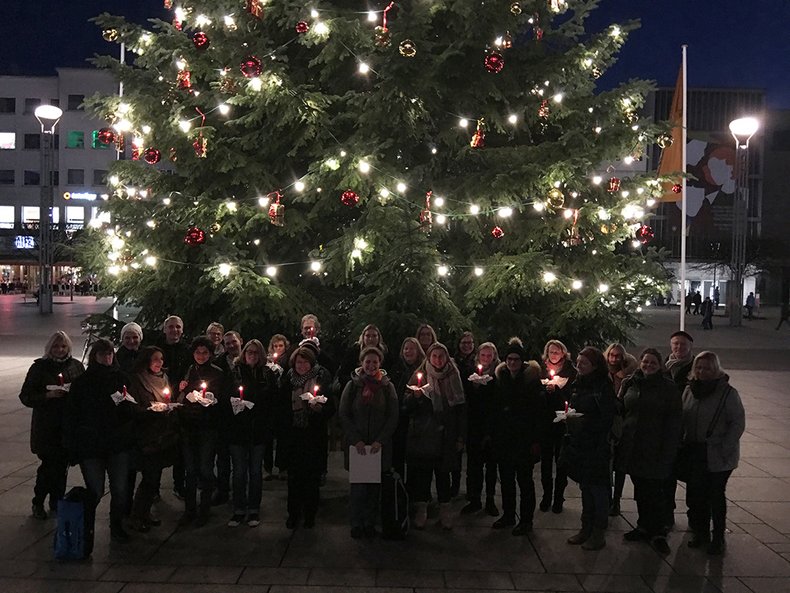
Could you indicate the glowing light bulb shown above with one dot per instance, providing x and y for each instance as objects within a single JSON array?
[
  {"x": 321, "y": 29},
  {"x": 438, "y": 201},
  {"x": 384, "y": 193},
  {"x": 263, "y": 201},
  {"x": 539, "y": 206},
  {"x": 558, "y": 97},
  {"x": 512, "y": 118},
  {"x": 256, "y": 83},
  {"x": 315, "y": 266},
  {"x": 597, "y": 179},
  {"x": 401, "y": 187},
  {"x": 185, "y": 125},
  {"x": 603, "y": 287},
  {"x": 505, "y": 212},
  {"x": 231, "y": 206},
  {"x": 479, "y": 271},
  {"x": 441, "y": 219},
  {"x": 549, "y": 277},
  {"x": 474, "y": 209},
  {"x": 150, "y": 261},
  {"x": 224, "y": 269},
  {"x": 463, "y": 122},
  {"x": 576, "y": 284},
  {"x": 442, "y": 270},
  {"x": 567, "y": 214},
  {"x": 299, "y": 186},
  {"x": 224, "y": 108},
  {"x": 364, "y": 167},
  {"x": 271, "y": 271},
  {"x": 363, "y": 68},
  {"x": 372, "y": 17}
]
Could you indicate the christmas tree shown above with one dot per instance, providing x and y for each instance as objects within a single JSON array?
[{"x": 395, "y": 163}]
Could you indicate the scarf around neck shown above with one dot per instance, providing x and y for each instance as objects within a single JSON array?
[
  {"x": 154, "y": 384},
  {"x": 445, "y": 384}
]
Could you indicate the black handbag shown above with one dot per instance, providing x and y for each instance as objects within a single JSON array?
[{"x": 695, "y": 455}]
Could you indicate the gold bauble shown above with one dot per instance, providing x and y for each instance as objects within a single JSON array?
[
  {"x": 382, "y": 36},
  {"x": 515, "y": 8},
  {"x": 664, "y": 140},
  {"x": 110, "y": 34},
  {"x": 555, "y": 199},
  {"x": 407, "y": 48}
]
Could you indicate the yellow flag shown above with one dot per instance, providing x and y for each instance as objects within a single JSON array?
[{"x": 671, "y": 161}]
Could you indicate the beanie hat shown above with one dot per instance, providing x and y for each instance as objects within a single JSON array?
[
  {"x": 132, "y": 327},
  {"x": 514, "y": 346},
  {"x": 311, "y": 343}
]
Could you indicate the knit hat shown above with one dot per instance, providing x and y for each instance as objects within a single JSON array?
[
  {"x": 311, "y": 343},
  {"x": 514, "y": 346},
  {"x": 132, "y": 327}
]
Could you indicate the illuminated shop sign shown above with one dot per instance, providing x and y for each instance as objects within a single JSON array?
[
  {"x": 24, "y": 242},
  {"x": 80, "y": 195}
]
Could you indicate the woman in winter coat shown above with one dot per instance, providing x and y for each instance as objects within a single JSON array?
[
  {"x": 713, "y": 422},
  {"x": 129, "y": 350},
  {"x": 411, "y": 358},
  {"x": 248, "y": 430},
  {"x": 44, "y": 390},
  {"x": 369, "y": 416},
  {"x": 518, "y": 423},
  {"x": 464, "y": 359},
  {"x": 99, "y": 432},
  {"x": 304, "y": 423},
  {"x": 479, "y": 454},
  {"x": 588, "y": 450},
  {"x": 649, "y": 443},
  {"x": 437, "y": 432},
  {"x": 277, "y": 353},
  {"x": 157, "y": 432},
  {"x": 558, "y": 374},
  {"x": 200, "y": 426},
  {"x": 369, "y": 338}
]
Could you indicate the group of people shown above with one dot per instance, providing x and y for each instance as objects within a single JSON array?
[{"x": 224, "y": 413}]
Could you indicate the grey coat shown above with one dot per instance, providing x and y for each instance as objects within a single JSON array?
[
  {"x": 369, "y": 422},
  {"x": 724, "y": 443}
]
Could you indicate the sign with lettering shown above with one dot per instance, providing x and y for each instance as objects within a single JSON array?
[{"x": 24, "y": 242}]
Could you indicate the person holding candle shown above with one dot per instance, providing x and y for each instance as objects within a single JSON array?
[
  {"x": 465, "y": 361},
  {"x": 411, "y": 358},
  {"x": 304, "y": 422},
  {"x": 42, "y": 392},
  {"x": 437, "y": 432},
  {"x": 157, "y": 433},
  {"x": 369, "y": 415},
  {"x": 587, "y": 450},
  {"x": 100, "y": 434},
  {"x": 518, "y": 421},
  {"x": 558, "y": 373},
  {"x": 129, "y": 350},
  {"x": 248, "y": 431},
  {"x": 479, "y": 454},
  {"x": 278, "y": 351},
  {"x": 200, "y": 426},
  {"x": 713, "y": 422},
  {"x": 649, "y": 443}
]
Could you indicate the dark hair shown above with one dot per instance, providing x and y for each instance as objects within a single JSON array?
[
  {"x": 371, "y": 350},
  {"x": 143, "y": 361},
  {"x": 307, "y": 353},
  {"x": 100, "y": 346},
  {"x": 683, "y": 334},
  {"x": 596, "y": 359},
  {"x": 201, "y": 341},
  {"x": 656, "y": 354}
]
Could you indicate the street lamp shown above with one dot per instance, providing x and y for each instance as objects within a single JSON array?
[
  {"x": 742, "y": 130},
  {"x": 48, "y": 116}
]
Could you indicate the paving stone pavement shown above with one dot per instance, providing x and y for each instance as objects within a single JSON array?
[{"x": 473, "y": 557}]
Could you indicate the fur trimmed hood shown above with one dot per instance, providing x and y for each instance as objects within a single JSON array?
[{"x": 530, "y": 371}]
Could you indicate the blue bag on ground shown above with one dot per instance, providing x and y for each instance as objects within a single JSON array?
[{"x": 74, "y": 533}]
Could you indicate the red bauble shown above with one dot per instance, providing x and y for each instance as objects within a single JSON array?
[
  {"x": 349, "y": 198},
  {"x": 201, "y": 40},
  {"x": 251, "y": 67},
  {"x": 302, "y": 27},
  {"x": 494, "y": 62},
  {"x": 544, "y": 111},
  {"x": 254, "y": 7},
  {"x": 614, "y": 184},
  {"x": 152, "y": 156},
  {"x": 106, "y": 136},
  {"x": 645, "y": 233},
  {"x": 184, "y": 80},
  {"x": 195, "y": 236},
  {"x": 497, "y": 232},
  {"x": 677, "y": 188}
]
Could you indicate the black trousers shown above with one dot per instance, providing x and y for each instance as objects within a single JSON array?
[
  {"x": 552, "y": 483},
  {"x": 303, "y": 492},
  {"x": 509, "y": 474},
  {"x": 480, "y": 464},
  {"x": 706, "y": 500},
  {"x": 650, "y": 504},
  {"x": 419, "y": 482},
  {"x": 223, "y": 465},
  {"x": 151, "y": 467},
  {"x": 51, "y": 479}
]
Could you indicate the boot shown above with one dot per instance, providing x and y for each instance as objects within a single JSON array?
[
  {"x": 473, "y": 506},
  {"x": 556, "y": 508},
  {"x": 204, "y": 509},
  {"x": 545, "y": 503},
  {"x": 491, "y": 509},
  {"x": 582, "y": 536},
  {"x": 596, "y": 541},
  {"x": 445, "y": 516},
  {"x": 421, "y": 515},
  {"x": 117, "y": 532},
  {"x": 716, "y": 546},
  {"x": 614, "y": 508},
  {"x": 699, "y": 539}
]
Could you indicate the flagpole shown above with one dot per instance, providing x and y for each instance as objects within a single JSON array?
[{"x": 683, "y": 223}]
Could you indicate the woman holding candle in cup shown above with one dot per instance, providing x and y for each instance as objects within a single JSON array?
[
  {"x": 43, "y": 391},
  {"x": 411, "y": 358},
  {"x": 437, "y": 432},
  {"x": 248, "y": 432},
  {"x": 157, "y": 432},
  {"x": 558, "y": 372},
  {"x": 304, "y": 419},
  {"x": 369, "y": 416}
]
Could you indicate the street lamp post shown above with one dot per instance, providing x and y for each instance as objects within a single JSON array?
[
  {"x": 742, "y": 130},
  {"x": 48, "y": 116}
]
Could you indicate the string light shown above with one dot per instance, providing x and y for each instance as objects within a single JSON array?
[
  {"x": 438, "y": 201},
  {"x": 363, "y": 68},
  {"x": 577, "y": 284},
  {"x": 441, "y": 219},
  {"x": 602, "y": 288},
  {"x": 315, "y": 266},
  {"x": 463, "y": 122},
  {"x": 479, "y": 271},
  {"x": 442, "y": 270},
  {"x": 401, "y": 187},
  {"x": 364, "y": 167},
  {"x": 299, "y": 186},
  {"x": 505, "y": 212},
  {"x": 474, "y": 209},
  {"x": 549, "y": 277},
  {"x": 372, "y": 17},
  {"x": 513, "y": 118},
  {"x": 539, "y": 206},
  {"x": 224, "y": 108},
  {"x": 271, "y": 271},
  {"x": 224, "y": 269},
  {"x": 185, "y": 125}
]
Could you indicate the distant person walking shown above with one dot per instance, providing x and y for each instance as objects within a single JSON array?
[
  {"x": 784, "y": 315},
  {"x": 750, "y": 300},
  {"x": 697, "y": 300},
  {"x": 707, "y": 313}
]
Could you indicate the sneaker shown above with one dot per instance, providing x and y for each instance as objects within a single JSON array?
[
  {"x": 504, "y": 521},
  {"x": 491, "y": 509},
  {"x": 635, "y": 535},
  {"x": 472, "y": 507},
  {"x": 236, "y": 520},
  {"x": 661, "y": 546},
  {"x": 38, "y": 512},
  {"x": 253, "y": 520}
]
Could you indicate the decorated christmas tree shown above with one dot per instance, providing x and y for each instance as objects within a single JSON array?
[{"x": 383, "y": 162}]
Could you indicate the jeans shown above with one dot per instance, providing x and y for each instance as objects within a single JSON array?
[
  {"x": 199, "y": 450},
  {"x": 364, "y": 504},
  {"x": 51, "y": 479},
  {"x": 650, "y": 505},
  {"x": 247, "y": 477},
  {"x": 706, "y": 500},
  {"x": 116, "y": 466},
  {"x": 595, "y": 505},
  {"x": 480, "y": 463},
  {"x": 509, "y": 474},
  {"x": 419, "y": 482}
]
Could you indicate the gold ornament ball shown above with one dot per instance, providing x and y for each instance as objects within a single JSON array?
[
  {"x": 214, "y": 228},
  {"x": 664, "y": 140},
  {"x": 382, "y": 36},
  {"x": 596, "y": 72},
  {"x": 555, "y": 199},
  {"x": 515, "y": 8},
  {"x": 110, "y": 34},
  {"x": 407, "y": 48}
]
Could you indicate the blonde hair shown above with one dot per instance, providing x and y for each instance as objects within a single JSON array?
[
  {"x": 430, "y": 329},
  {"x": 490, "y": 345},
  {"x": 58, "y": 336},
  {"x": 417, "y": 345},
  {"x": 615, "y": 346},
  {"x": 711, "y": 357},
  {"x": 361, "y": 341},
  {"x": 565, "y": 352}
]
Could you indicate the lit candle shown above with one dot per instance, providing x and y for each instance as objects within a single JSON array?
[
  {"x": 480, "y": 370},
  {"x": 419, "y": 379},
  {"x": 241, "y": 391},
  {"x": 166, "y": 393},
  {"x": 551, "y": 373},
  {"x": 124, "y": 391},
  {"x": 60, "y": 379},
  {"x": 315, "y": 391},
  {"x": 274, "y": 356},
  {"x": 203, "y": 388},
  {"x": 566, "y": 406}
]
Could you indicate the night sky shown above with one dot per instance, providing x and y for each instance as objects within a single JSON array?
[{"x": 732, "y": 43}]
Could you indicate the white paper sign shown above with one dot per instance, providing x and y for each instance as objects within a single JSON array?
[
  {"x": 313, "y": 399},
  {"x": 364, "y": 469},
  {"x": 65, "y": 387}
]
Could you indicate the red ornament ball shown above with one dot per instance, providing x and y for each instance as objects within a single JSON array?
[
  {"x": 195, "y": 236},
  {"x": 201, "y": 40},
  {"x": 494, "y": 62},
  {"x": 302, "y": 27},
  {"x": 251, "y": 67},
  {"x": 349, "y": 198},
  {"x": 497, "y": 232},
  {"x": 152, "y": 156},
  {"x": 677, "y": 188},
  {"x": 645, "y": 233},
  {"x": 106, "y": 136}
]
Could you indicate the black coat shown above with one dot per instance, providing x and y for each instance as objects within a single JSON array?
[
  {"x": 95, "y": 426},
  {"x": 196, "y": 418},
  {"x": 126, "y": 359},
  {"x": 256, "y": 425},
  {"x": 46, "y": 426},
  {"x": 480, "y": 403},
  {"x": 156, "y": 432},
  {"x": 177, "y": 360}
]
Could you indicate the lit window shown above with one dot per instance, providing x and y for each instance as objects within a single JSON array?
[
  {"x": 6, "y": 217},
  {"x": 7, "y": 140}
]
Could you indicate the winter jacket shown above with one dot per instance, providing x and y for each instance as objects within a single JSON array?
[
  {"x": 177, "y": 361},
  {"x": 195, "y": 417},
  {"x": 479, "y": 407},
  {"x": 627, "y": 368},
  {"x": 651, "y": 426},
  {"x": 369, "y": 421},
  {"x": 156, "y": 432},
  {"x": 95, "y": 426},
  {"x": 586, "y": 452},
  {"x": 519, "y": 415},
  {"x": 126, "y": 359},
  {"x": 724, "y": 442},
  {"x": 253, "y": 426},
  {"x": 679, "y": 372},
  {"x": 46, "y": 426}
]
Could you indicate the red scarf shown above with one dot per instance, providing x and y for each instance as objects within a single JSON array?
[{"x": 370, "y": 386}]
